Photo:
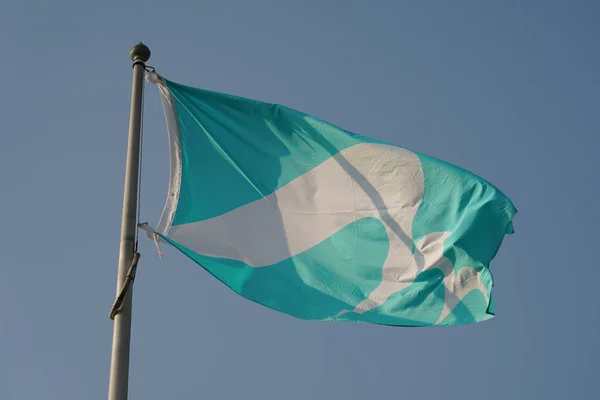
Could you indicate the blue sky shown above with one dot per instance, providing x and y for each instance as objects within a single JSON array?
[{"x": 508, "y": 90}]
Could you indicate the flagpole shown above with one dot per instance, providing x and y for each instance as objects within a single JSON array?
[{"x": 119, "y": 363}]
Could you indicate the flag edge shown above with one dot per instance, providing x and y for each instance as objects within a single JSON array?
[{"x": 175, "y": 165}]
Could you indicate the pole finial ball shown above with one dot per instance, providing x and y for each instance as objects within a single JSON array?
[{"x": 139, "y": 52}]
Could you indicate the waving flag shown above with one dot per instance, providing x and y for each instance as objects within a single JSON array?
[{"x": 303, "y": 217}]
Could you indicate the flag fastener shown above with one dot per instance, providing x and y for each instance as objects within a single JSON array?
[
  {"x": 126, "y": 284},
  {"x": 151, "y": 233}
]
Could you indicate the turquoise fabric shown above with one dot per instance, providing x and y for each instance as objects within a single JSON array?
[{"x": 235, "y": 151}]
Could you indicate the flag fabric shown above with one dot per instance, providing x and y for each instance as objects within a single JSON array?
[{"x": 303, "y": 217}]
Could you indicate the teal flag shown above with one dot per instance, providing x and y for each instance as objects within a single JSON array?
[{"x": 308, "y": 219}]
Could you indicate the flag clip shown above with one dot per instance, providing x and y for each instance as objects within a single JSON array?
[{"x": 151, "y": 233}]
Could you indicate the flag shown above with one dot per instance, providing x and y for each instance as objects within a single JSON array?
[{"x": 308, "y": 219}]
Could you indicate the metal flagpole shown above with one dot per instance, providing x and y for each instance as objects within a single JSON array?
[{"x": 119, "y": 363}]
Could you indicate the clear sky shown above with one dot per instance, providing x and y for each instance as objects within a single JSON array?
[{"x": 508, "y": 90}]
